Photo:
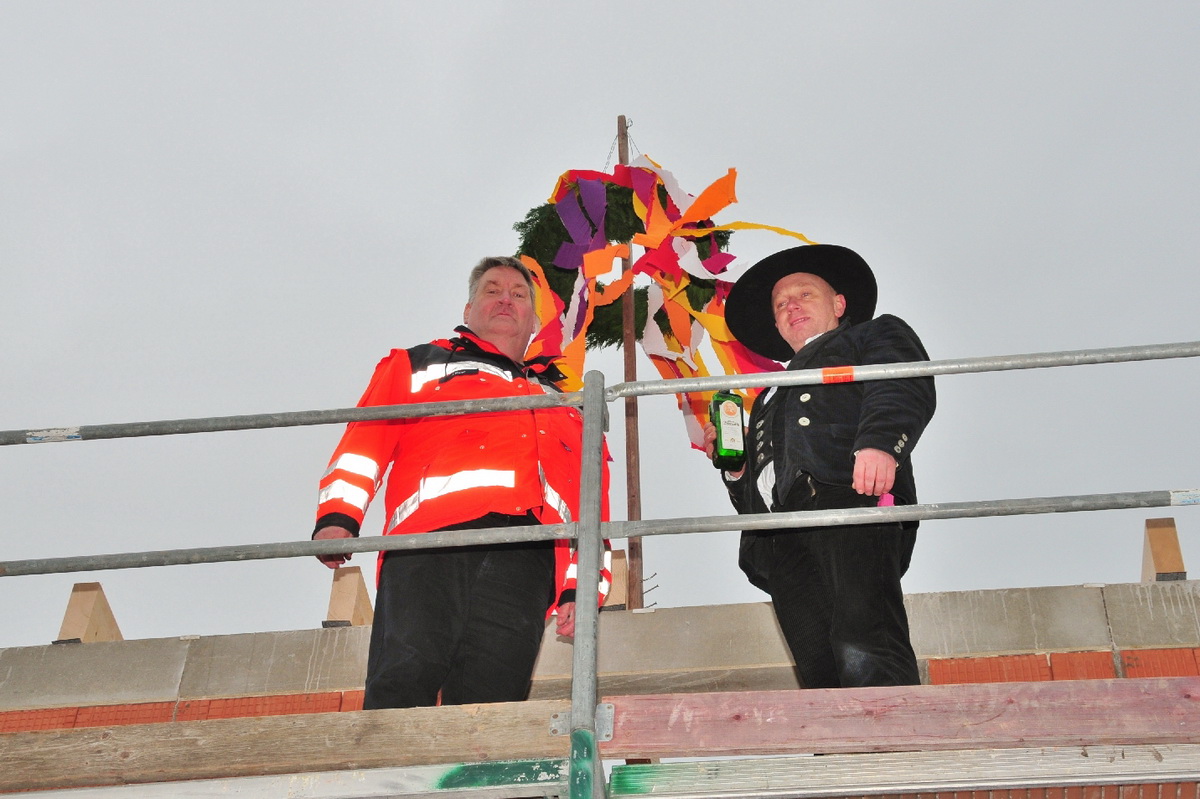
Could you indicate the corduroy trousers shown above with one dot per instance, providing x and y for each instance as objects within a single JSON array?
[{"x": 836, "y": 593}]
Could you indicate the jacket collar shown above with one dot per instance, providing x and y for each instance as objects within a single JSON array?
[
  {"x": 467, "y": 340},
  {"x": 543, "y": 366},
  {"x": 813, "y": 347}
]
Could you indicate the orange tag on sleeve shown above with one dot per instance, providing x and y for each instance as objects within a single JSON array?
[{"x": 837, "y": 374}]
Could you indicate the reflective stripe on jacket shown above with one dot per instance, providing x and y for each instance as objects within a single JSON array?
[{"x": 451, "y": 469}]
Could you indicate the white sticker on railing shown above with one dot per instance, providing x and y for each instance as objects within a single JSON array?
[
  {"x": 55, "y": 434},
  {"x": 1191, "y": 497}
]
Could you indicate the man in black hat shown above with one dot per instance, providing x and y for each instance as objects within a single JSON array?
[{"x": 841, "y": 444}]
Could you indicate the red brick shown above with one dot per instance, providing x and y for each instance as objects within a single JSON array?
[
  {"x": 116, "y": 715},
  {"x": 1160, "y": 663},
  {"x": 58, "y": 718},
  {"x": 192, "y": 710},
  {"x": 1002, "y": 668},
  {"x": 241, "y": 707},
  {"x": 352, "y": 700},
  {"x": 329, "y": 702},
  {"x": 941, "y": 671},
  {"x": 1082, "y": 666},
  {"x": 282, "y": 705}
]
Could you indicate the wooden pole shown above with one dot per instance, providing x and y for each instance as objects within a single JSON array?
[{"x": 633, "y": 490}]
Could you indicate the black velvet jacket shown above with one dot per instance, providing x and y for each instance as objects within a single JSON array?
[{"x": 817, "y": 429}]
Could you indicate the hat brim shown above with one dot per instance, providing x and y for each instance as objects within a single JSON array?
[{"x": 748, "y": 307}]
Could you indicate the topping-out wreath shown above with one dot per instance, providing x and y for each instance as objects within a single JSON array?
[{"x": 572, "y": 241}]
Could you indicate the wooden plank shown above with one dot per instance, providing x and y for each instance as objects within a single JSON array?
[
  {"x": 618, "y": 594},
  {"x": 349, "y": 602},
  {"x": 1162, "y": 559},
  {"x": 912, "y": 718},
  {"x": 88, "y": 617},
  {"x": 955, "y": 774},
  {"x": 677, "y": 680},
  {"x": 280, "y": 745}
]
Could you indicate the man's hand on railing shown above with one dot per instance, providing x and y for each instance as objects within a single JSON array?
[
  {"x": 326, "y": 533},
  {"x": 565, "y": 625}
]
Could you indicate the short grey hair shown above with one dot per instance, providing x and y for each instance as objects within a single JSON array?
[{"x": 491, "y": 262}]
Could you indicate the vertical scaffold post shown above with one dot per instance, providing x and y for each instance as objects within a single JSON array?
[{"x": 586, "y": 773}]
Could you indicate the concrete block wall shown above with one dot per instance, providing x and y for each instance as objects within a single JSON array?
[{"x": 1073, "y": 632}]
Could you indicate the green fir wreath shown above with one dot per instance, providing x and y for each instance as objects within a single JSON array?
[{"x": 542, "y": 234}]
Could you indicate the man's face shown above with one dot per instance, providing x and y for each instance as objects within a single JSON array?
[
  {"x": 502, "y": 308},
  {"x": 805, "y": 306}
]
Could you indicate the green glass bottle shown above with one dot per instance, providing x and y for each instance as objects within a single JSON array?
[{"x": 726, "y": 413}]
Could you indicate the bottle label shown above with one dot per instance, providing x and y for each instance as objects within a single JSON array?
[{"x": 729, "y": 431}]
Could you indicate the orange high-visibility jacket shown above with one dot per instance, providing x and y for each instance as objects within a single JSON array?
[{"x": 452, "y": 469}]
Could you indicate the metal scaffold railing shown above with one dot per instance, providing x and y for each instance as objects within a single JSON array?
[
  {"x": 586, "y": 776},
  {"x": 212, "y": 424}
]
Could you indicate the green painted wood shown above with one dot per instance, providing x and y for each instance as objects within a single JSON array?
[
  {"x": 540, "y": 773},
  {"x": 585, "y": 765}
]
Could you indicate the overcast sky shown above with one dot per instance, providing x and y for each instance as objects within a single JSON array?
[{"x": 239, "y": 207}]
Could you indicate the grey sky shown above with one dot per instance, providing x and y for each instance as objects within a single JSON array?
[{"x": 223, "y": 208}]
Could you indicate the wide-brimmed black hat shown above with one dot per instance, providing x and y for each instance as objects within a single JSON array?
[{"x": 748, "y": 308}]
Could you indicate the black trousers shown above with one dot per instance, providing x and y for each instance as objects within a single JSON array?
[
  {"x": 463, "y": 621},
  {"x": 837, "y": 596}
]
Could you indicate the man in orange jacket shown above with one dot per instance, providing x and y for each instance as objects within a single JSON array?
[{"x": 465, "y": 623}]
